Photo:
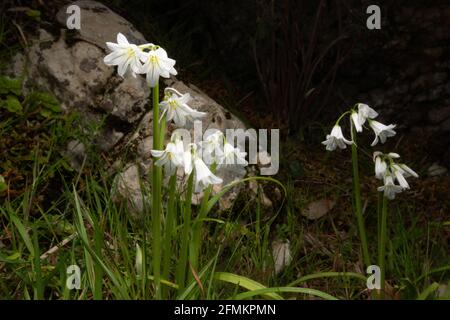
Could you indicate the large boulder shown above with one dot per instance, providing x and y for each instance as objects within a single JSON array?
[{"x": 71, "y": 67}]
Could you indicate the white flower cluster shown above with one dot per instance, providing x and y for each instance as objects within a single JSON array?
[
  {"x": 389, "y": 171},
  {"x": 153, "y": 61},
  {"x": 358, "y": 119},
  {"x": 148, "y": 59},
  {"x": 386, "y": 169},
  {"x": 214, "y": 149}
]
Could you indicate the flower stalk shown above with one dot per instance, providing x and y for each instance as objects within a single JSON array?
[
  {"x": 168, "y": 231},
  {"x": 197, "y": 227},
  {"x": 382, "y": 245},
  {"x": 156, "y": 196},
  {"x": 183, "y": 263},
  {"x": 357, "y": 199}
]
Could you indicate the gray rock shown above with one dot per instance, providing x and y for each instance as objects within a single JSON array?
[
  {"x": 127, "y": 188},
  {"x": 436, "y": 170},
  {"x": 99, "y": 24},
  {"x": 76, "y": 153},
  {"x": 72, "y": 68}
]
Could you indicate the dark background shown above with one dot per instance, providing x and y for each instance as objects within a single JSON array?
[{"x": 298, "y": 64}]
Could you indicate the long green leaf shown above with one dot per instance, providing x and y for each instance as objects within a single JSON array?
[
  {"x": 275, "y": 290},
  {"x": 23, "y": 233},
  {"x": 246, "y": 283}
]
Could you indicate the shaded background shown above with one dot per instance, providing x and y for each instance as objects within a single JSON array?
[{"x": 297, "y": 64}]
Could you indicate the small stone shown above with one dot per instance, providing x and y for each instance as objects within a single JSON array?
[
  {"x": 76, "y": 151},
  {"x": 436, "y": 170},
  {"x": 318, "y": 209}
]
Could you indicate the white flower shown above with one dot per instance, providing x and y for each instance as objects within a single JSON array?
[
  {"x": 393, "y": 155},
  {"x": 336, "y": 138},
  {"x": 365, "y": 112},
  {"x": 408, "y": 171},
  {"x": 390, "y": 188},
  {"x": 156, "y": 64},
  {"x": 177, "y": 109},
  {"x": 212, "y": 147},
  {"x": 388, "y": 170},
  {"x": 230, "y": 153},
  {"x": 381, "y": 131},
  {"x": 380, "y": 167},
  {"x": 398, "y": 173},
  {"x": 171, "y": 157},
  {"x": 202, "y": 175},
  {"x": 124, "y": 55},
  {"x": 356, "y": 121}
]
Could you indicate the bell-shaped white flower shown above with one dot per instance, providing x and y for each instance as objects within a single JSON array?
[
  {"x": 176, "y": 108},
  {"x": 171, "y": 158},
  {"x": 399, "y": 175},
  {"x": 382, "y": 132},
  {"x": 336, "y": 139},
  {"x": 389, "y": 188},
  {"x": 365, "y": 112},
  {"x": 380, "y": 167},
  {"x": 212, "y": 147},
  {"x": 156, "y": 64},
  {"x": 408, "y": 172},
  {"x": 232, "y": 155},
  {"x": 387, "y": 169},
  {"x": 124, "y": 55},
  {"x": 356, "y": 121},
  {"x": 393, "y": 155},
  {"x": 383, "y": 163},
  {"x": 202, "y": 175}
]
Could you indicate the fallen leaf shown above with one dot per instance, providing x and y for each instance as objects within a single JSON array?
[{"x": 281, "y": 253}]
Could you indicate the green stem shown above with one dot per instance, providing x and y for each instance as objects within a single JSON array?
[
  {"x": 183, "y": 263},
  {"x": 379, "y": 215},
  {"x": 358, "y": 207},
  {"x": 382, "y": 245},
  {"x": 170, "y": 222},
  {"x": 156, "y": 201},
  {"x": 197, "y": 227}
]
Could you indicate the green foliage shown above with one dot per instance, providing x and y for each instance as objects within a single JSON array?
[
  {"x": 9, "y": 85},
  {"x": 12, "y": 104}
]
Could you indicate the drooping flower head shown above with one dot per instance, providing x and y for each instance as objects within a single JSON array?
[
  {"x": 359, "y": 117},
  {"x": 202, "y": 174},
  {"x": 336, "y": 139},
  {"x": 124, "y": 55},
  {"x": 382, "y": 132},
  {"x": 388, "y": 170},
  {"x": 176, "y": 108},
  {"x": 232, "y": 155},
  {"x": 212, "y": 146},
  {"x": 389, "y": 188},
  {"x": 156, "y": 64},
  {"x": 171, "y": 158}
]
